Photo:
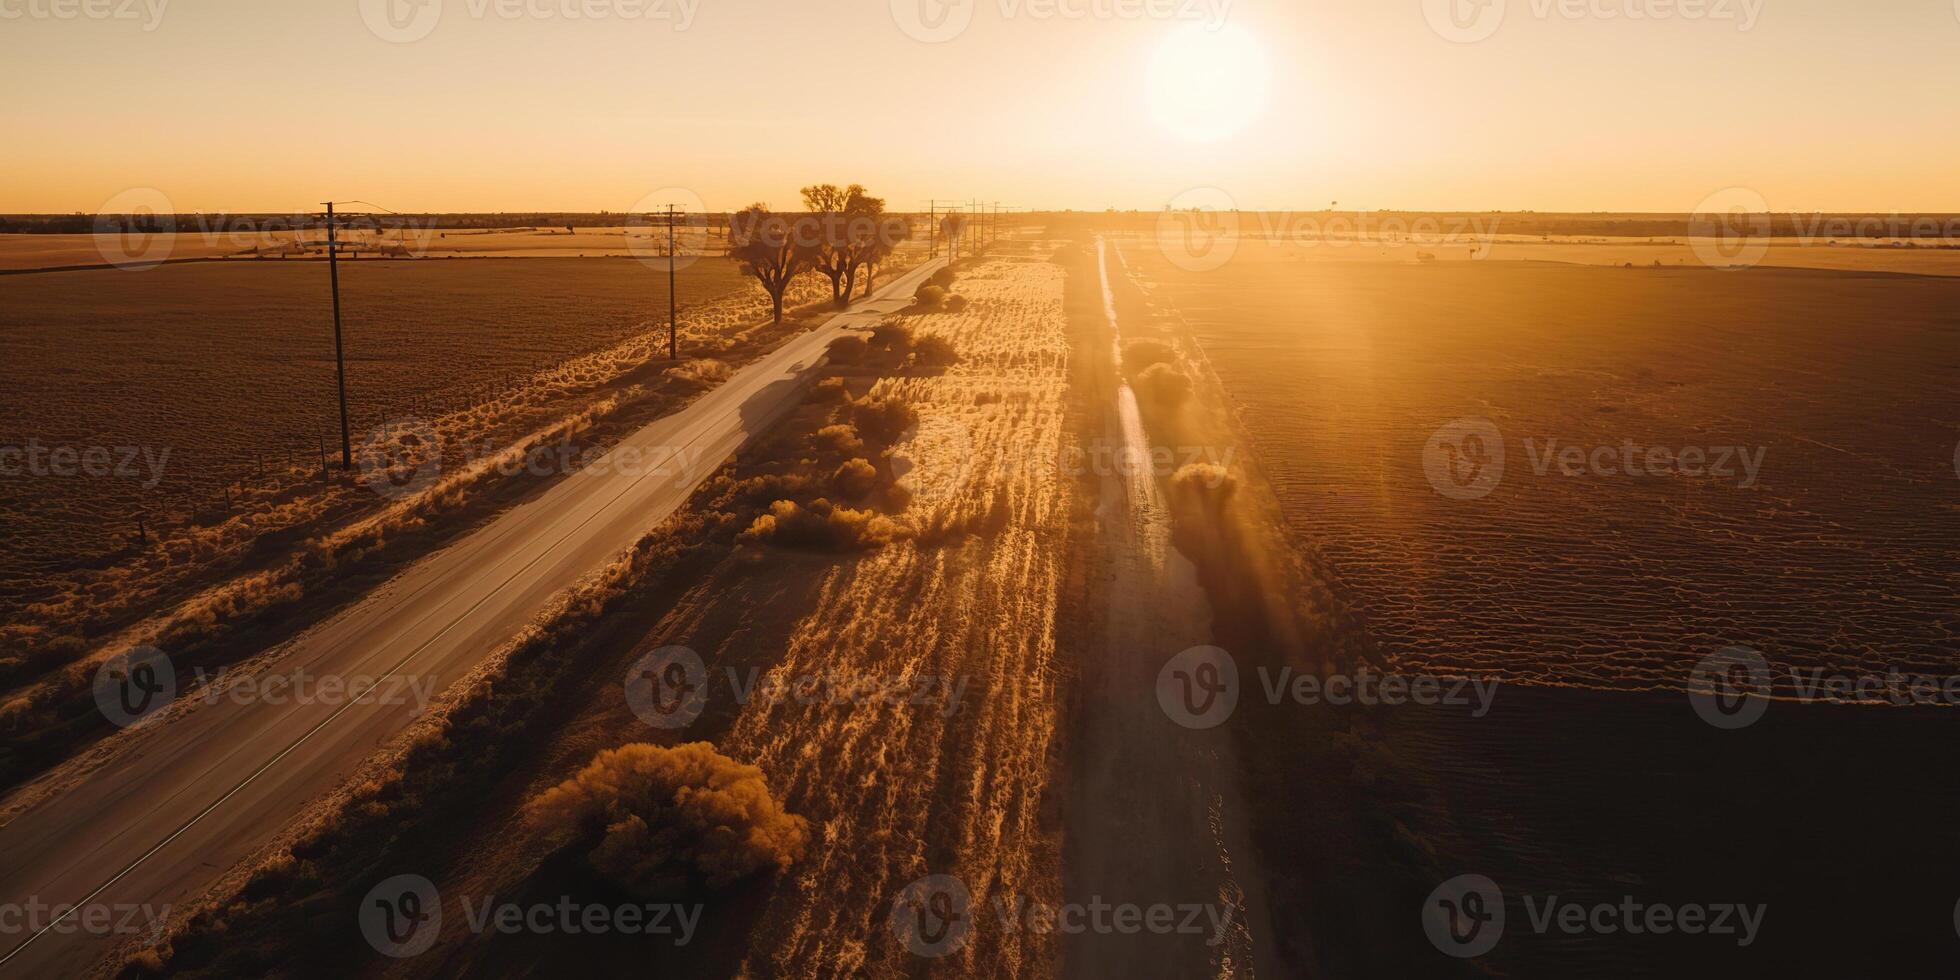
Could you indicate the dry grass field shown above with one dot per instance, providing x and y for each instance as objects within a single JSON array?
[
  {"x": 1835, "y": 553},
  {"x": 208, "y": 369}
]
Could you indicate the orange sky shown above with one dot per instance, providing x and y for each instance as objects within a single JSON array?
[{"x": 586, "y": 105}]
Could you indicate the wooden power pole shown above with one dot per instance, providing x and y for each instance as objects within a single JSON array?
[
  {"x": 339, "y": 357},
  {"x": 673, "y": 257}
]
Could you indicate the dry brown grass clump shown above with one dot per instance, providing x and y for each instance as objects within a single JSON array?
[
  {"x": 1141, "y": 354},
  {"x": 855, "y": 478},
  {"x": 664, "y": 816},
  {"x": 1162, "y": 387},
  {"x": 820, "y": 525}
]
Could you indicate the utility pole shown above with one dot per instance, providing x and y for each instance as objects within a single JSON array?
[
  {"x": 339, "y": 358},
  {"x": 673, "y": 350}
]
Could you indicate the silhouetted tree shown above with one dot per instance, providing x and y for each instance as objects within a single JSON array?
[{"x": 770, "y": 249}]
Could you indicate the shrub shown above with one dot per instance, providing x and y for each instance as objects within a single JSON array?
[
  {"x": 820, "y": 526},
  {"x": 855, "y": 478},
  {"x": 882, "y": 420},
  {"x": 1140, "y": 354},
  {"x": 891, "y": 335},
  {"x": 841, "y": 438},
  {"x": 930, "y": 296},
  {"x": 943, "y": 278},
  {"x": 848, "y": 349},
  {"x": 935, "y": 351},
  {"x": 663, "y": 816},
  {"x": 955, "y": 303},
  {"x": 1209, "y": 484},
  {"x": 1162, "y": 386}
]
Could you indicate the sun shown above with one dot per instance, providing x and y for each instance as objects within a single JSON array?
[{"x": 1207, "y": 84}]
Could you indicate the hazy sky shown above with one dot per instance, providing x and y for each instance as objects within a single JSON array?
[{"x": 533, "y": 104}]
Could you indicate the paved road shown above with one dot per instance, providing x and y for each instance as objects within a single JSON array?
[{"x": 186, "y": 798}]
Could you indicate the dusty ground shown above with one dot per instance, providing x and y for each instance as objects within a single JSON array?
[
  {"x": 1336, "y": 374},
  {"x": 1833, "y": 555},
  {"x": 964, "y": 609}
]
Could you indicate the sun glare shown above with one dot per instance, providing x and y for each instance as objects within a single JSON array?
[{"x": 1208, "y": 84}]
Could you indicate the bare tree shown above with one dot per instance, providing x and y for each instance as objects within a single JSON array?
[
  {"x": 829, "y": 207},
  {"x": 770, "y": 249}
]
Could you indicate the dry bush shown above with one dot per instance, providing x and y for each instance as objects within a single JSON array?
[
  {"x": 705, "y": 370},
  {"x": 943, "y": 277},
  {"x": 955, "y": 303},
  {"x": 892, "y": 335},
  {"x": 1208, "y": 485},
  {"x": 855, "y": 478},
  {"x": 882, "y": 420},
  {"x": 664, "y": 816},
  {"x": 821, "y": 526},
  {"x": 839, "y": 438},
  {"x": 1141, "y": 354},
  {"x": 830, "y": 390},
  {"x": 1161, "y": 386},
  {"x": 848, "y": 349},
  {"x": 930, "y": 297}
]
